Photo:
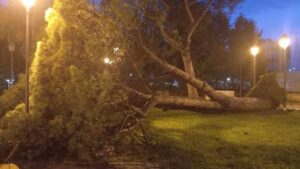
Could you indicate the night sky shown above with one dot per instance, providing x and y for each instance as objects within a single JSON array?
[{"x": 274, "y": 18}]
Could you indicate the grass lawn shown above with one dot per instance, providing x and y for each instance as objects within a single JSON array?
[{"x": 254, "y": 140}]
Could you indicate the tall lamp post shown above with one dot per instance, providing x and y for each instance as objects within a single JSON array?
[
  {"x": 28, "y": 4},
  {"x": 12, "y": 48},
  {"x": 254, "y": 52},
  {"x": 284, "y": 43}
]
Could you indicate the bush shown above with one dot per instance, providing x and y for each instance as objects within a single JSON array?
[{"x": 268, "y": 88}]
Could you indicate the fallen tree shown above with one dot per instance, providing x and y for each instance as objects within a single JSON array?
[
  {"x": 227, "y": 102},
  {"x": 181, "y": 41}
]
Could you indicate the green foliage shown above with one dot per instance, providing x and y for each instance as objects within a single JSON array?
[
  {"x": 11, "y": 97},
  {"x": 73, "y": 93},
  {"x": 268, "y": 88}
]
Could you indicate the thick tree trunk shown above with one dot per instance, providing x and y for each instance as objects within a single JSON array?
[
  {"x": 176, "y": 100},
  {"x": 189, "y": 69},
  {"x": 236, "y": 104}
]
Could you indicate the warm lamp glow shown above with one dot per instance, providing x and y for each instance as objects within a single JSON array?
[
  {"x": 284, "y": 42},
  {"x": 107, "y": 61},
  {"x": 28, "y": 3},
  {"x": 254, "y": 51}
]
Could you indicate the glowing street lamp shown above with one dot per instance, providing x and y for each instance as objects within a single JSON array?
[
  {"x": 284, "y": 43},
  {"x": 28, "y": 4},
  {"x": 254, "y": 52}
]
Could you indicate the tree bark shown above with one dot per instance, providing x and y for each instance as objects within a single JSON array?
[
  {"x": 176, "y": 100},
  {"x": 189, "y": 69},
  {"x": 236, "y": 104}
]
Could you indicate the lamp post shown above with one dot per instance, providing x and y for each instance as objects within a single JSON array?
[
  {"x": 12, "y": 48},
  {"x": 28, "y": 4},
  {"x": 284, "y": 43},
  {"x": 254, "y": 52}
]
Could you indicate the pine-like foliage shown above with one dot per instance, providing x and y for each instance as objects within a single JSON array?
[{"x": 72, "y": 92}]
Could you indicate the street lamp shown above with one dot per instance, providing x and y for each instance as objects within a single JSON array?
[
  {"x": 28, "y": 4},
  {"x": 284, "y": 43},
  {"x": 11, "y": 48},
  {"x": 254, "y": 52}
]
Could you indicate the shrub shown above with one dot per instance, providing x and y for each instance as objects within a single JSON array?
[{"x": 268, "y": 88}]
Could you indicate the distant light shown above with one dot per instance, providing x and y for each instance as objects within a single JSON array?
[
  {"x": 290, "y": 70},
  {"x": 294, "y": 68},
  {"x": 28, "y": 3},
  {"x": 107, "y": 61},
  {"x": 116, "y": 49},
  {"x": 284, "y": 42},
  {"x": 175, "y": 83},
  {"x": 130, "y": 74},
  {"x": 254, "y": 51},
  {"x": 228, "y": 79}
]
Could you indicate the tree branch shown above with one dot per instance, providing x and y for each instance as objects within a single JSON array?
[
  {"x": 188, "y": 11},
  {"x": 168, "y": 38},
  {"x": 196, "y": 24},
  {"x": 183, "y": 75},
  {"x": 171, "y": 41}
]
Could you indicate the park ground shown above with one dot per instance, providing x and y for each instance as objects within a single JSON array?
[
  {"x": 181, "y": 139},
  {"x": 249, "y": 140}
]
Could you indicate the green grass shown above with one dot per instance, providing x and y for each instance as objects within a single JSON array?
[{"x": 254, "y": 140}]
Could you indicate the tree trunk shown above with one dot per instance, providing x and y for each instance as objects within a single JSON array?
[
  {"x": 175, "y": 100},
  {"x": 189, "y": 69},
  {"x": 236, "y": 104}
]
